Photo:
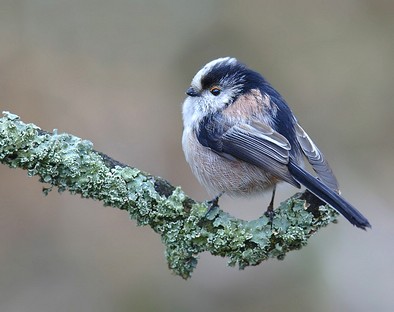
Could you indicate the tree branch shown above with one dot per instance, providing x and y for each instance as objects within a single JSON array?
[{"x": 70, "y": 163}]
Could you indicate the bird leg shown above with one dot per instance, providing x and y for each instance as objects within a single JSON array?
[
  {"x": 270, "y": 209},
  {"x": 213, "y": 203}
]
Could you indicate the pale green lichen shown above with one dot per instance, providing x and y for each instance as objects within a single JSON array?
[{"x": 70, "y": 163}]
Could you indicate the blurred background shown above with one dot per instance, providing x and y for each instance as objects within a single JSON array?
[{"x": 115, "y": 72}]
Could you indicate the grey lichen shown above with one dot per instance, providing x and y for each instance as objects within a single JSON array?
[{"x": 70, "y": 163}]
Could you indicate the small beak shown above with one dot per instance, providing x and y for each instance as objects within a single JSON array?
[{"x": 191, "y": 92}]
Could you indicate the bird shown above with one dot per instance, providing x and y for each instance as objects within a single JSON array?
[{"x": 241, "y": 138}]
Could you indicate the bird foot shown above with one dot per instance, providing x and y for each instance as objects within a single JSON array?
[
  {"x": 213, "y": 203},
  {"x": 270, "y": 213}
]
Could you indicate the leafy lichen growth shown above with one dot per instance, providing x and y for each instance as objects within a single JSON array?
[{"x": 70, "y": 163}]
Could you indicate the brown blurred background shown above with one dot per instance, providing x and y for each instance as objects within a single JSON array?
[{"x": 115, "y": 72}]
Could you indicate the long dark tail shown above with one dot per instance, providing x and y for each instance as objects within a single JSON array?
[{"x": 329, "y": 196}]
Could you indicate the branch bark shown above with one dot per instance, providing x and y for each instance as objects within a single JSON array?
[{"x": 70, "y": 163}]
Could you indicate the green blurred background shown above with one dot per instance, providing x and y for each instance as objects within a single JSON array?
[{"x": 115, "y": 72}]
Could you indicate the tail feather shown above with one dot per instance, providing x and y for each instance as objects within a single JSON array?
[{"x": 329, "y": 196}]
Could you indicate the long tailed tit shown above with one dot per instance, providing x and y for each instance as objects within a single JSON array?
[{"x": 241, "y": 138}]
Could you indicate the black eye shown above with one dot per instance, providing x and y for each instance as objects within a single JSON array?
[{"x": 215, "y": 91}]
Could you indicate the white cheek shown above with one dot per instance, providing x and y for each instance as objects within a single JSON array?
[
  {"x": 223, "y": 99},
  {"x": 187, "y": 112},
  {"x": 192, "y": 112},
  {"x": 196, "y": 108}
]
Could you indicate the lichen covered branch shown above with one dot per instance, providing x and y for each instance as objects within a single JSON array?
[{"x": 69, "y": 163}]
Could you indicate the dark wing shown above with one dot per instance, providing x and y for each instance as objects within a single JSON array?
[
  {"x": 255, "y": 143},
  {"x": 316, "y": 159}
]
